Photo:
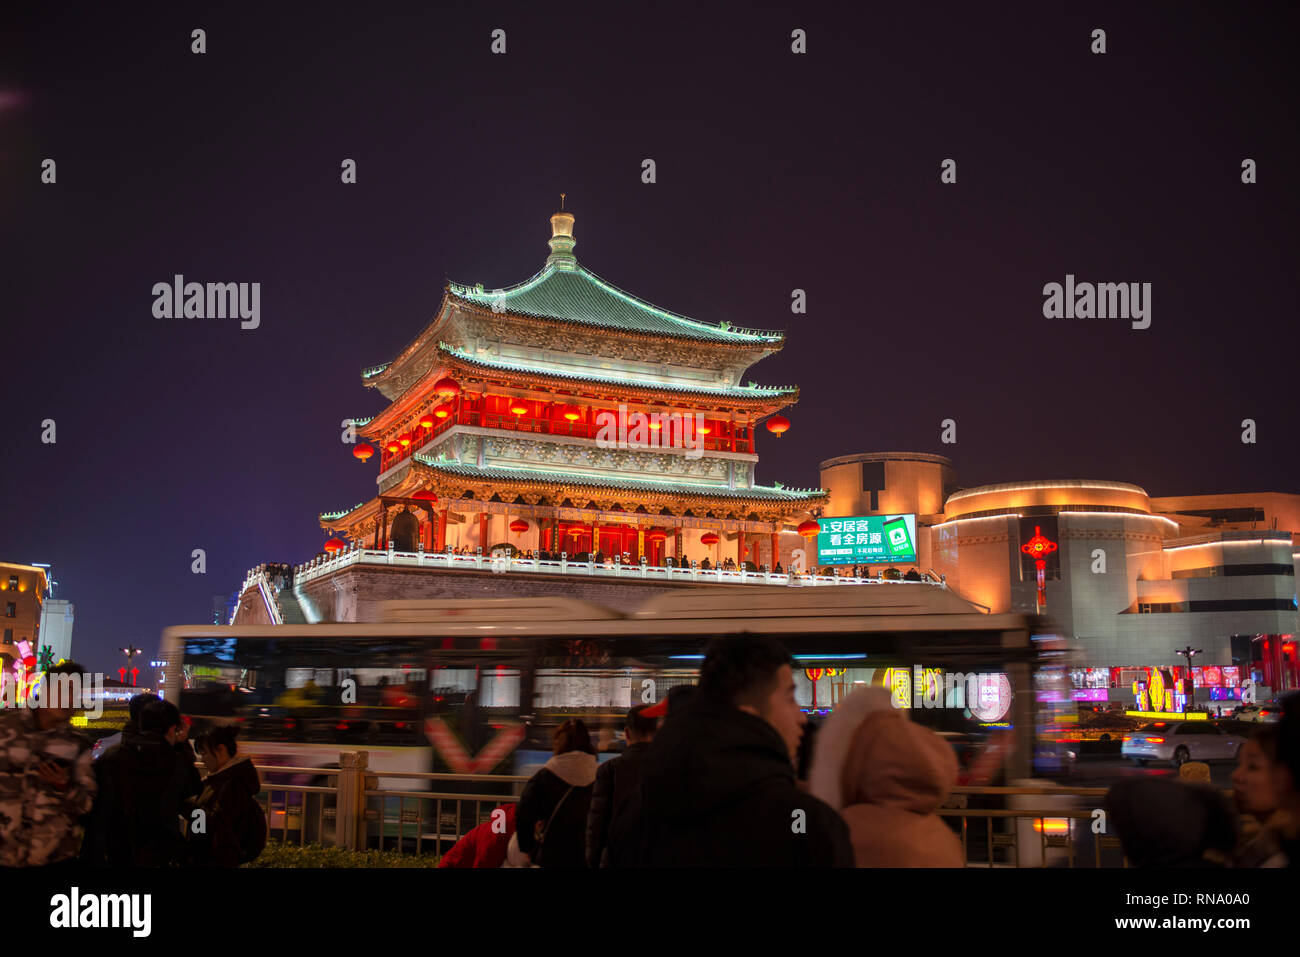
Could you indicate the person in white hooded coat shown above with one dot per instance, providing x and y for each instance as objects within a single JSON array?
[
  {"x": 887, "y": 776},
  {"x": 551, "y": 820}
]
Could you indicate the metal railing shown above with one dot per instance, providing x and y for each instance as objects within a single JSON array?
[
  {"x": 357, "y": 555},
  {"x": 356, "y": 812},
  {"x": 1037, "y": 836}
]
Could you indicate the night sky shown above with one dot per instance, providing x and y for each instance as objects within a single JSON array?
[{"x": 775, "y": 171}]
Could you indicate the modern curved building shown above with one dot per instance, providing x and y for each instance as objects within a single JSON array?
[{"x": 1129, "y": 578}]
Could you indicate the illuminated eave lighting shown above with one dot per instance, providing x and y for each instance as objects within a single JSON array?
[
  {"x": 980, "y": 518},
  {"x": 1125, "y": 515},
  {"x": 1253, "y": 541}
]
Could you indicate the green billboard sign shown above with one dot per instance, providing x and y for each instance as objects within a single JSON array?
[{"x": 867, "y": 540}]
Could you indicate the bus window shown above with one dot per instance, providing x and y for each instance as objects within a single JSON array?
[{"x": 341, "y": 694}]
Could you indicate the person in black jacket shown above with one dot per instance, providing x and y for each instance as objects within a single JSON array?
[
  {"x": 718, "y": 783},
  {"x": 233, "y": 824},
  {"x": 551, "y": 820},
  {"x": 616, "y": 781},
  {"x": 143, "y": 783}
]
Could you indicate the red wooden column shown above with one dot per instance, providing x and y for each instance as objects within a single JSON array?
[
  {"x": 740, "y": 550},
  {"x": 677, "y": 544},
  {"x": 482, "y": 530},
  {"x": 776, "y": 549},
  {"x": 440, "y": 542}
]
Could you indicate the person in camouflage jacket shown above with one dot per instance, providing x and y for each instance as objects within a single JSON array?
[{"x": 47, "y": 784}]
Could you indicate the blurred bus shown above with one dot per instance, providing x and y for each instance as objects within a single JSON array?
[{"x": 478, "y": 685}]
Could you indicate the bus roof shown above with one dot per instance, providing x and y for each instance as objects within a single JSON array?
[{"x": 772, "y": 609}]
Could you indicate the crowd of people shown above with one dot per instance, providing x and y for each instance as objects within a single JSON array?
[
  {"x": 727, "y": 773},
  {"x": 143, "y": 804},
  {"x": 722, "y": 773}
]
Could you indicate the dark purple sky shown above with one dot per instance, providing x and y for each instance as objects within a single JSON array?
[{"x": 775, "y": 171}]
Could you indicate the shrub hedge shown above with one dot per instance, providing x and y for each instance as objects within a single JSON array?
[{"x": 277, "y": 854}]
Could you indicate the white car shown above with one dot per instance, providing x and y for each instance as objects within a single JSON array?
[{"x": 1180, "y": 742}]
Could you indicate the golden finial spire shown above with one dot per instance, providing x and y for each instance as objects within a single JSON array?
[{"x": 562, "y": 241}]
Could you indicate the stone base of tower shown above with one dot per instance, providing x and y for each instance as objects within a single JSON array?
[{"x": 357, "y": 593}]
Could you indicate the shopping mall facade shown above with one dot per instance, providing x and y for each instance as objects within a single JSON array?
[{"x": 1129, "y": 579}]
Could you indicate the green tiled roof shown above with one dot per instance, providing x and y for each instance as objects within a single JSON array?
[
  {"x": 589, "y": 480},
  {"x": 751, "y": 391},
  {"x": 580, "y": 296},
  {"x": 331, "y": 516}
]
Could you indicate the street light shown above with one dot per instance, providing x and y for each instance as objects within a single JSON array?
[
  {"x": 1187, "y": 653},
  {"x": 130, "y": 651}
]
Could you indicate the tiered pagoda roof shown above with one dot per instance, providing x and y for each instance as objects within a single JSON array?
[
  {"x": 566, "y": 341},
  {"x": 579, "y": 296}
]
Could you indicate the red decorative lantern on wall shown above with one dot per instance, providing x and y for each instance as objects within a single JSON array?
[
  {"x": 572, "y": 414},
  {"x": 392, "y": 446},
  {"x": 335, "y": 545},
  {"x": 447, "y": 387},
  {"x": 424, "y": 495},
  {"x": 405, "y": 440},
  {"x": 426, "y": 420},
  {"x": 1038, "y": 548},
  {"x": 519, "y": 526},
  {"x": 656, "y": 535},
  {"x": 363, "y": 451},
  {"x": 809, "y": 529},
  {"x": 518, "y": 407},
  {"x": 778, "y": 425},
  {"x": 708, "y": 538},
  {"x": 441, "y": 412}
]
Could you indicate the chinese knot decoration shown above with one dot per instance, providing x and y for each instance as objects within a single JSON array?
[{"x": 1039, "y": 547}]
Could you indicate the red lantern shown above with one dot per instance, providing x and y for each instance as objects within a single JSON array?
[
  {"x": 29, "y": 662},
  {"x": 392, "y": 445},
  {"x": 442, "y": 412},
  {"x": 708, "y": 538},
  {"x": 656, "y": 535},
  {"x": 572, "y": 414},
  {"x": 809, "y": 529},
  {"x": 575, "y": 530},
  {"x": 426, "y": 421},
  {"x": 519, "y": 526},
  {"x": 424, "y": 495},
  {"x": 363, "y": 451},
  {"x": 447, "y": 387},
  {"x": 814, "y": 673},
  {"x": 335, "y": 545},
  {"x": 405, "y": 440},
  {"x": 518, "y": 407},
  {"x": 777, "y": 425},
  {"x": 705, "y": 430}
]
